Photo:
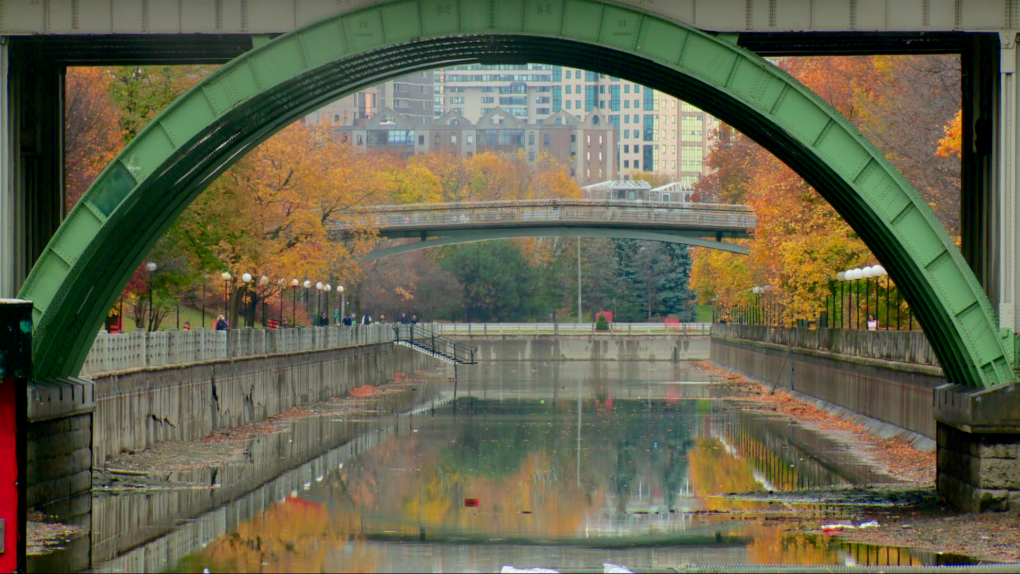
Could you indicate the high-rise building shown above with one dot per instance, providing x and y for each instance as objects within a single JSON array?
[
  {"x": 655, "y": 132},
  {"x": 410, "y": 95}
]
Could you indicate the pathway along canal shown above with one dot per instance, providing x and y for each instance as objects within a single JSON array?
[{"x": 554, "y": 464}]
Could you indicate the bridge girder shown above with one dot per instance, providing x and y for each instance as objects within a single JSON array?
[
  {"x": 456, "y": 237},
  {"x": 169, "y": 163}
]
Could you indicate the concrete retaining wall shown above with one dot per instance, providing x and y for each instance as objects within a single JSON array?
[
  {"x": 137, "y": 409},
  {"x": 893, "y": 392},
  {"x": 588, "y": 347}
]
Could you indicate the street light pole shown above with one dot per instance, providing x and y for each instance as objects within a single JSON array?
[
  {"x": 343, "y": 310},
  {"x": 151, "y": 267},
  {"x": 307, "y": 285},
  {"x": 579, "y": 320},
  {"x": 247, "y": 280},
  {"x": 226, "y": 298},
  {"x": 293, "y": 309}
]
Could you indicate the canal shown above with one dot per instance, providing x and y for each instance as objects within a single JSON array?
[{"x": 554, "y": 464}]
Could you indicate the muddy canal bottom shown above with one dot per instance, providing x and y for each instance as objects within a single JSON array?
[{"x": 562, "y": 465}]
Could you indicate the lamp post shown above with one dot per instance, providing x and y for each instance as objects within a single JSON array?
[
  {"x": 263, "y": 281},
  {"x": 151, "y": 267},
  {"x": 328, "y": 288},
  {"x": 247, "y": 280},
  {"x": 293, "y": 309},
  {"x": 343, "y": 313},
  {"x": 307, "y": 285},
  {"x": 225, "y": 276},
  {"x": 757, "y": 304},
  {"x": 318, "y": 301},
  {"x": 841, "y": 277}
]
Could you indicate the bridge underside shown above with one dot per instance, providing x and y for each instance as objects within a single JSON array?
[
  {"x": 429, "y": 240},
  {"x": 139, "y": 195}
]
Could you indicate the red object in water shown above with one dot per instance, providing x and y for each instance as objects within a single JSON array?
[{"x": 471, "y": 502}]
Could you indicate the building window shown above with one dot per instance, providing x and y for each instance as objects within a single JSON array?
[
  {"x": 626, "y": 163},
  {"x": 690, "y": 158},
  {"x": 542, "y": 111},
  {"x": 626, "y": 89},
  {"x": 602, "y": 89},
  {"x": 470, "y": 139},
  {"x": 636, "y": 120},
  {"x": 637, "y": 89},
  {"x": 568, "y": 89},
  {"x": 488, "y": 100},
  {"x": 573, "y": 138},
  {"x": 626, "y": 104},
  {"x": 457, "y": 99},
  {"x": 626, "y": 149},
  {"x": 590, "y": 97},
  {"x": 568, "y": 74},
  {"x": 568, "y": 104},
  {"x": 531, "y": 156},
  {"x": 453, "y": 138},
  {"x": 531, "y": 138},
  {"x": 692, "y": 128},
  {"x": 545, "y": 139},
  {"x": 437, "y": 139},
  {"x": 557, "y": 98},
  {"x": 361, "y": 141},
  {"x": 577, "y": 104},
  {"x": 421, "y": 140},
  {"x": 637, "y": 164}
]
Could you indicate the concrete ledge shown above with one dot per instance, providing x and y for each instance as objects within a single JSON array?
[
  {"x": 993, "y": 410},
  {"x": 57, "y": 398}
]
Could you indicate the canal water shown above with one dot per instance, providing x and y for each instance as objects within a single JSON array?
[{"x": 554, "y": 464}]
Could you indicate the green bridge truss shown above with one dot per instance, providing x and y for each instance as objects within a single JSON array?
[{"x": 140, "y": 193}]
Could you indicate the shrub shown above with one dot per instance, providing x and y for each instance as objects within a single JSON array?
[{"x": 602, "y": 324}]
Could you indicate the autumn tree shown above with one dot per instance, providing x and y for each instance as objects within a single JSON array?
[{"x": 91, "y": 134}]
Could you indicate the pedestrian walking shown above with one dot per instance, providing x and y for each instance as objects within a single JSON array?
[
  {"x": 403, "y": 318},
  {"x": 872, "y": 323},
  {"x": 187, "y": 325},
  {"x": 221, "y": 323}
]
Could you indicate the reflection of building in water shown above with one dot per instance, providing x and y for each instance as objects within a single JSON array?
[{"x": 647, "y": 511}]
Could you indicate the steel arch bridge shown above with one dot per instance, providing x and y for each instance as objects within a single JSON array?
[{"x": 141, "y": 192}]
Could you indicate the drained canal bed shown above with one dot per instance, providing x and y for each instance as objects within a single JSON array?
[{"x": 559, "y": 465}]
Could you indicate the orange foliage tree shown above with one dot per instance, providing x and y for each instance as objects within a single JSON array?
[{"x": 800, "y": 242}]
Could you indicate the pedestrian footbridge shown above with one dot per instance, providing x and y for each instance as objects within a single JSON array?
[{"x": 435, "y": 224}]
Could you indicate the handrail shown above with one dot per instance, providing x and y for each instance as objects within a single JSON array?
[
  {"x": 426, "y": 338},
  {"x": 615, "y": 329}
]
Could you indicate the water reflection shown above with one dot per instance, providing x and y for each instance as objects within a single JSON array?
[{"x": 563, "y": 464}]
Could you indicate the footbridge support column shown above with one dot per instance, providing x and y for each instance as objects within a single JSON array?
[{"x": 978, "y": 466}]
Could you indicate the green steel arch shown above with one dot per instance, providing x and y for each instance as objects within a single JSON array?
[
  {"x": 143, "y": 190},
  {"x": 455, "y": 237}
]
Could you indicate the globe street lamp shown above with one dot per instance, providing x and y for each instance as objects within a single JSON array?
[
  {"x": 318, "y": 301},
  {"x": 151, "y": 267},
  {"x": 226, "y": 299},
  {"x": 293, "y": 309},
  {"x": 247, "y": 280},
  {"x": 307, "y": 285},
  {"x": 263, "y": 281},
  {"x": 841, "y": 277},
  {"x": 327, "y": 289},
  {"x": 343, "y": 314}
]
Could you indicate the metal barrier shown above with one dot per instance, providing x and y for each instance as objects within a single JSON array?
[
  {"x": 499, "y": 329},
  {"x": 424, "y": 338},
  {"x": 141, "y": 349}
]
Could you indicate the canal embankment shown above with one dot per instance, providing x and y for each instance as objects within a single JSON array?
[
  {"x": 889, "y": 377},
  {"x": 591, "y": 347},
  {"x": 189, "y": 385}
]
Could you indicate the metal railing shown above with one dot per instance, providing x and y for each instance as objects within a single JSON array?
[
  {"x": 615, "y": 329},
  {"x": 140, "y": 349},
  {"x": 392, "y": 219},
  {"x": 425, "y": 338}
]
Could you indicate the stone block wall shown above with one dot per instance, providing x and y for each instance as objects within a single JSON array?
[
  {"x": 978, "y": 472},
  {"x": 59, "y": 458}
]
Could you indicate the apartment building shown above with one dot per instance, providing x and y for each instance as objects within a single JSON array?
[
  {"x": 587, "y": 146},
  {"x": 655, "y": 132},
  {"x": 411, "y": 95}
]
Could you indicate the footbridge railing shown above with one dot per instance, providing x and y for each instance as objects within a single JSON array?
[
  {"x": 140, "y": 349},
  {"x": 498, "y": 329},
  {"x": 395, "y": 220}
]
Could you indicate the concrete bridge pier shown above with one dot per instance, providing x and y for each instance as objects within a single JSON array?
[{"x": 978, "y": 437}]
